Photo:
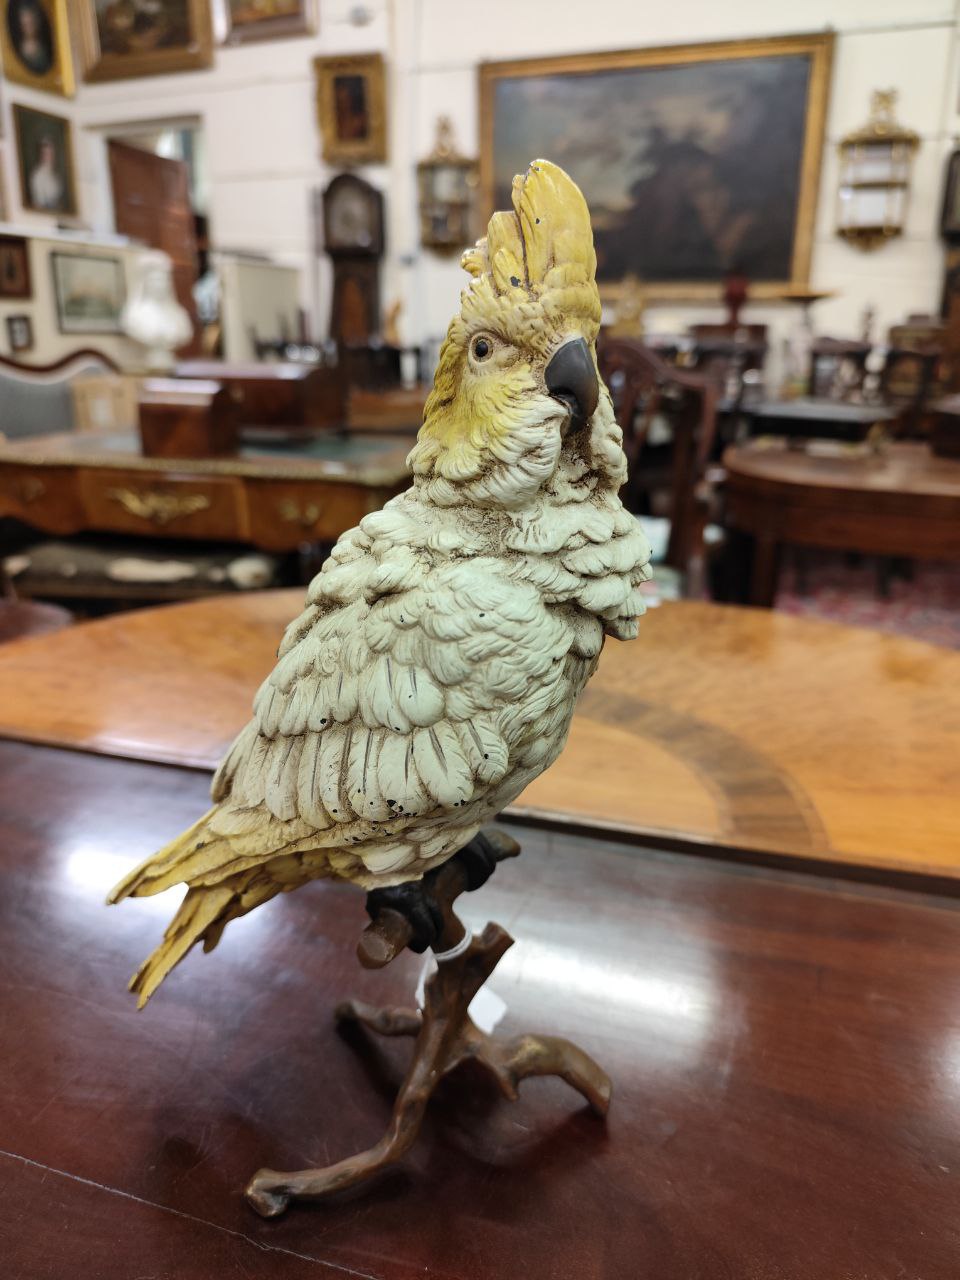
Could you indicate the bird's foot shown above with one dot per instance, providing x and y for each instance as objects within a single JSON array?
[
  {"x": 416, "y": 900},
  {"x": 416, "y": 904}
]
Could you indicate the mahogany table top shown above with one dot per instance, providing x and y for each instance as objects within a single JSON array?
[
  {"x": 731, "y": 729},
  {"x": 905, "y": 470},
  {"x": 785, "y": 1053}
]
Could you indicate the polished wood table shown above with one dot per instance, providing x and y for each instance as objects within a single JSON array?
[
  {"x": 739, "y": 731},
  {"x": 275, "y": 498},
  {"x": 900, "y": 501},
  {"x": 784, "y": 1050}
]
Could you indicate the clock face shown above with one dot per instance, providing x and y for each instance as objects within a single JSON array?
[{"x": 349, "y": 220}]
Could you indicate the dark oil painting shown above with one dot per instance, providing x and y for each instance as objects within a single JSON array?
[
  {"x": 691, "y": 170},
  {"x": 142, "y": 26},
  {"x": 350, "y": 105}
]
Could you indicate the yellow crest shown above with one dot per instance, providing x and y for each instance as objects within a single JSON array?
[{"x": 544, "y": 249}]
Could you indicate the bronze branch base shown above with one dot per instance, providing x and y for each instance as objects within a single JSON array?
[{"x": 445, "y": 1038}]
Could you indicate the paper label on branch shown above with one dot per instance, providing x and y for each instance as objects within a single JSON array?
[{"x": 486, "y": 1008}]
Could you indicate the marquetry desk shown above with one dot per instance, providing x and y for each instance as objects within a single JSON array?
[
  {"x": 899, "y": 501},
  {"x": 275, "y": 498}
]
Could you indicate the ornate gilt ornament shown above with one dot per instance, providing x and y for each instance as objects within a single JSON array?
[
  {"x": 305, "y": 516},
  {"x": 158, "y": 506}
]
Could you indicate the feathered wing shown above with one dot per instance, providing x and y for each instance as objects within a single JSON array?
[{"x": 402, "y": 696}]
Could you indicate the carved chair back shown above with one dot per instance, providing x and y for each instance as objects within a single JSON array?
[
  {"x": 37, "y": 399},
  {"x": 644, "y": 387}
]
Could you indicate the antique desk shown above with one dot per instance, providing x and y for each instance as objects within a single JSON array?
[
  {"x": 901, "y": 501},
  {"x": 275, "y": 498},
  {"x": 784, "y": 1048}
]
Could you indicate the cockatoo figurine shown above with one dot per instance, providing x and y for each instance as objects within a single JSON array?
[{"x": 434, "y": 671}]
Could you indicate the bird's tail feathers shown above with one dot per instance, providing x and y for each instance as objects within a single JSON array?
[
  {"x": 153, "y": 874},
  {"x": 200, "y": 912}
]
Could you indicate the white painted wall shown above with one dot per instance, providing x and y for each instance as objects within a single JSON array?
[{"x": 257, "y": 109}]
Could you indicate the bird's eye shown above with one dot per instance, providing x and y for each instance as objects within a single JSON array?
[{"x": 481, "y": 348}]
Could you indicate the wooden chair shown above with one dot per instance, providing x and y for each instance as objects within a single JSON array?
[{"x": 645, "y": 390}]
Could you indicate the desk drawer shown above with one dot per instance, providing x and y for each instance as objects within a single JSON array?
[
  {"x": 45, "y": 497},
  {"x": 284, "y": 514},
  {"x": 162, "y": 504}
]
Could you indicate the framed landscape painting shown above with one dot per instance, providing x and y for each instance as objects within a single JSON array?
[
  {"x": 90, "y": 292},
  {"x": 125, "y": 38},
  {"x": 696, "y": 160},
  {"x": 35, "y": 42}
]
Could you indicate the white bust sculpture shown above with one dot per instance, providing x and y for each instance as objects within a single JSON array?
[{"x": 153, "y": 316}]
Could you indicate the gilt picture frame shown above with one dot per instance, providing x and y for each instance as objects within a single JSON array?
[
  {"x": 249, "y": 21},
  {"x": 90, "y": 291},
  {"x": 163, "y": 36},
  {"x": 35, "y": 45},
  {"x": 697, "y": 161},
  {"x": 19, "y": 334},
  {"x": 950, "y": 209},
  {"x": 45, "y": 162},
  {"x": 14, "y": 268},
  {"x": 351, "y": 108}
]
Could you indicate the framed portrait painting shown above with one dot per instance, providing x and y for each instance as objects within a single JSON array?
[
  {"x": 90, "y": 292},
  {"x": 126, "y": 38},
  {"x": 351, "y": 108},
  {"x": 35, "y": 43},
  {"x": 45, "y": 161},
  {"x": 250, "y": 20},
  {"x": 14, "y": 268},
  {"x": 697, "y": 161}
]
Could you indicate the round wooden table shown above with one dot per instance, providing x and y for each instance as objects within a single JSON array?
[
  {"x": 742, "y": 732},
  {"x": 902, "y": 501}
]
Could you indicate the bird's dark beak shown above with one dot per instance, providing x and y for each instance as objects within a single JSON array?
[{"x": 571, "y": 378}]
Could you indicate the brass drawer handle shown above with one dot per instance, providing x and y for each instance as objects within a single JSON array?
[
  {"x": 291, "y": 511},
  {"x": 27, "y": 490},
  {"x": 158, "y": 507}
]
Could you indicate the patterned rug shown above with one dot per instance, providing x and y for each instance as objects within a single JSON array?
[{"x": 843, "y": 589}]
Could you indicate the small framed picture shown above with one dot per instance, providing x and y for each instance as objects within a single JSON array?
[
  {"x": 950, "y": 214},
  {"x": 251, "y": 20},
  {"x": 14, "y": 267},
  {"x": 121, "y": 39},
  {"x": 45, "y": 153},
  {"x": 19, "y": 333},
  {"x": 90, "y": 292},
  {"x": 35, "y": 42},
  {"x": 351, "y": 108}
]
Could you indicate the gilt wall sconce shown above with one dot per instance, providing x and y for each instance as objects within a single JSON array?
[
  {"x": 875, "y": 168},
  {"x": 447, "y": 184}
]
